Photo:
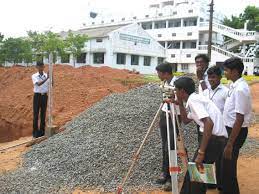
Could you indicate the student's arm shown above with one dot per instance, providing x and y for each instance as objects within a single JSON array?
[
  {"x": 200, "y": 76},
  {"x": 38, "y": 83},
  {"x": 241, "y": 105},
  {"x": 233, "y": 136},
  {"x": 208, "y": 126}
]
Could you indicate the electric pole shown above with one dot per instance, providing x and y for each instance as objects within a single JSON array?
[{"x": 210, "y": 28}]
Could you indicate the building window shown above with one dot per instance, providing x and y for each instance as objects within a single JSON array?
[
  {"x": 147, "y": 61},
  {"x": 123, "y": 19},
  {"x": 190, "y": 11},
  {"x": 146, "y": 16},
  {"x": 175, "y": 13},
  {"x": 172, "y": 55},
  {"x": 121, "y": 58},
  {"x": 160, "y": 14},
  {"x": 147, "y": 25},
  {"x": 174, "y": 23},
  {"x": 135, "y": 17},
  {"x": 188, "y": 55},
  {"x": 112, "y": 20},
  {"x": 81, "y": 58},
  {"x": 93, "y": 23},
  {"x": 160, "y": 24},
  {"x": 162, "y": 43},
  {"x": 189, "y": 34},
  {"x": 99, "y": 40},
  {"x": 190, "y": 22},
  {"x": 160, "y": 60},
  {"x": 173, "y": 45},
  {"x": 134, "y": 60},
  {"x": 98, "y": 58},
  {"x": 159, "y": 35},
  {"x": 189, "y": 45},
  {"x": 184, "y": 66},
  {"x": 65, "y": 58},
  {"x": 102, "y": 22},
  {"x": 173, "y": 34}
]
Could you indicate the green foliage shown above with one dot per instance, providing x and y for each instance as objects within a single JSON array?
[
  {"x": 75, "y": 43},
  {"x": 16, "y": 50},
  {"x": 1, "y": 37},
  {"x": 251, "y": 13}
]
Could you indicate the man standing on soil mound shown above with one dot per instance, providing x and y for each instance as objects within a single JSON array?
[{"x": 40, "y": 82}]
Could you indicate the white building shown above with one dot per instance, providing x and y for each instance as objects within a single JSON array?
[
  {"x": 119, "y": 46},
  {"x": 181, "y": 27}
]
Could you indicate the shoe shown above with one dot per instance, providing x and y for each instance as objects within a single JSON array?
[
  {"x": 161, "y": 180},
  {"x": 211, "y": 186},
  {"x": 168, "y": 186}
]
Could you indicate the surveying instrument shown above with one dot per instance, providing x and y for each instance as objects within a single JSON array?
[{"x": 177, "y": 141}]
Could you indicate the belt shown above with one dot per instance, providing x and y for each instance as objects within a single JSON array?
[
  {"x": 216, "y": 137},
  {"x": 42, "y": 94}
]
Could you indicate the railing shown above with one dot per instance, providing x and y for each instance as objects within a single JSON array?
[
  {"x": 230, "y": 30},
  {"x": 226, "y": 53}
]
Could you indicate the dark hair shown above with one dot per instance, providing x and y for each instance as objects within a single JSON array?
[
  {"x": 204, "y": 57},
  {"x": 165, "y": 68},
  {"x": 39, "y": 63},
  {"x": 214, "y": 70},
  {"x": 234, "y": 63},
  {"x": 185, "y": 83}
]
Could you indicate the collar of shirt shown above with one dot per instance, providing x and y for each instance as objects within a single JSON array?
[
  {"x": 44, "y": 75},
  {"x": 233, "y": 85},
  {"x": 217, "y": 88}
]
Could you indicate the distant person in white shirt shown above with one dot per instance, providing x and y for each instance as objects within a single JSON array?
[
  {"x": 218, "y": 93},
  {"x": 237, "y": 116},
  {"x": 40, "y": 82},
  {"x": 213, "y": 132},
  {"x": 165, "y": 74},
  {"x": 202, "y": 64}
]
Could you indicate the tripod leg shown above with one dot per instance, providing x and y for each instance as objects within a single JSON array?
[
  {"x": 173, "y": 169},
  {"x": 119, "y": 191}
]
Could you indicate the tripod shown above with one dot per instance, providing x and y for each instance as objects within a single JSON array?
[{"x": 173, "y": 169}]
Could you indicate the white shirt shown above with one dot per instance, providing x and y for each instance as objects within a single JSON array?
[
  {"x": 44, "y": 88},
  {"x": 200, "y": 107},
  {"x": 238, "y": 101},
  {"x": 206, "y": 79},
  {"x": 218, "y": 96},
  {"x": 164, "y": 108}
]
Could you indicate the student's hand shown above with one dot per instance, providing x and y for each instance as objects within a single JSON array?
[
  {"x": 200, "y": 73},
  {"x": 199, "y": 159},
  {"x": 228, "y": 151}
]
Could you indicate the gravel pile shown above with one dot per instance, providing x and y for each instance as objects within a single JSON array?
[{"x": 96, "y": 149}]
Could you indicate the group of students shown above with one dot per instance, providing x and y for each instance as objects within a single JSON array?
[{"x": 222, "y": 115}]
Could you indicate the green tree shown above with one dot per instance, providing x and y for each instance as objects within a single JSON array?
[
  {"x": 16, "y": 50},
  {"x": 74, "y": 44},
  {"x": 53, "y": 44},
  {"x": 1, "y": 37},
  {"x": 250, "y": 13}
]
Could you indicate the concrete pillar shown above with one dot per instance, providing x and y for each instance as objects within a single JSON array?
[
  {"x": 182, "y": 22},
  {"x": 153, "y": 25},
  {"x": 167, "y": 23}
]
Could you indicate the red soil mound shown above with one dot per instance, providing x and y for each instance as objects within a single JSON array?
[{"x": 74, "y": 91}]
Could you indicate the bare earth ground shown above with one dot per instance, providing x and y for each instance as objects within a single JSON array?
[{"x": 248, "y": 165}]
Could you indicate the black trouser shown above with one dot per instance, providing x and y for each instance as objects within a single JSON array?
[
  {"x": 213, "y": 152},
  {"x": 163, "y": 131},
  {"x": 229, "y": 167},
  {"x": 39, "y": 106}
]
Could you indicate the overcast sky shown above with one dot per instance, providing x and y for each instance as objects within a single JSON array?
[{"x": 19, "y": 16}]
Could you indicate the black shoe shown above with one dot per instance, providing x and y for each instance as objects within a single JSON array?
[
  {"x": 168, "y": 186},
  {"x": 161, "y": 180},
  {"x": 211, "y": 186},
  {"x": 35, "y": 133}
]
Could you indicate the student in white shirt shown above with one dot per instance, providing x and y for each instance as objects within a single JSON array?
[
  {"x": 206, "y": 114},
  {"x": 202, "y": 64},
  {"x": 40, "y": 82},
  {"x": 165, "y": 74},
  {"x": 218, "y": 93},
  {"x": 237, "y": 116}
]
